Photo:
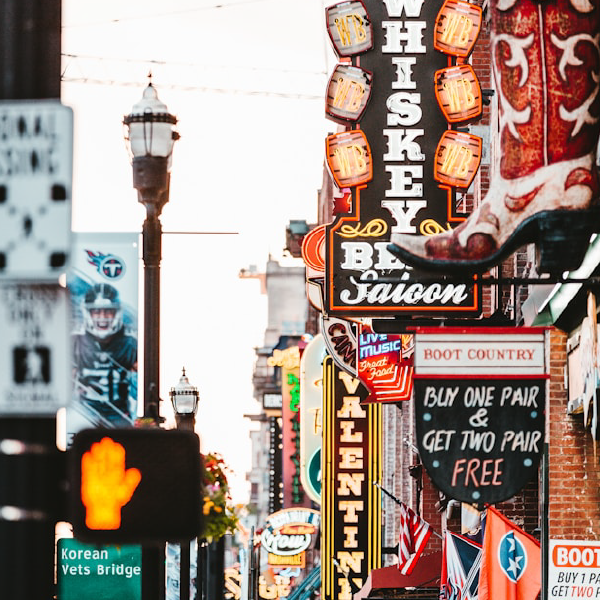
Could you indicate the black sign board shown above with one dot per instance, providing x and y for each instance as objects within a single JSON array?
[
  {"x": 403, "y": 125},
  {"x": 480, "y": 439},
  {"x": 135, "y": 485}
]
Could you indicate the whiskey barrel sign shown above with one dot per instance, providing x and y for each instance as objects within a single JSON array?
[{"x": 480, "y": 398}]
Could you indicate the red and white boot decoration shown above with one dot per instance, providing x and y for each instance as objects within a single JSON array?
[{"x": 546, "y": 62}]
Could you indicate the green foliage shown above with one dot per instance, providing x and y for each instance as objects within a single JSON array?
[{"x": 219, "y": 515}]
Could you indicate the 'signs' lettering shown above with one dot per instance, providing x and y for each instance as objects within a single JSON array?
[
  {"x": 402, "y": 144},
  {"x": 351, "y": 29},
  {"x": 404, "y": 80},
  {"x": 404, "y": 36},
  {"x": 350, "y": 485},
  {"x": 350, "y": 562},
  {"x": 477, "y": 472},
  {"x": 459, "y": 94},
  {"x": 457, "y": 30},
  {"x": 456, "y": 161},
  {"x": 368, "y": 289},
  {"x": 404, "y": 108},
  {"x": 359, "y": 255},
  {"x": 400, "y": 8},
  {"x": 348, "y": 95},
  {"x": 351, "y": 160}
]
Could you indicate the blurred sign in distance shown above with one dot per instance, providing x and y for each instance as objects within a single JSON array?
[{"x": 36, "y": 172}]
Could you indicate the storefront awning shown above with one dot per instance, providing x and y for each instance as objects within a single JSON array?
[
  {"x": 388, "y": 582},
  {"x": 562, "y": 295}
]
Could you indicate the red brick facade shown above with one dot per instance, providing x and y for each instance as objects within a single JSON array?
[{"x": 574, "y": 462}]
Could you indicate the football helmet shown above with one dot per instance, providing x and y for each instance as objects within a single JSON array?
[{"x": 102, "y": 312}]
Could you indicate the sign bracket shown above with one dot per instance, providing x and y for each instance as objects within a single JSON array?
[
  {"x": 499, "y": 281},
  {"x": 401, "y": 324}
]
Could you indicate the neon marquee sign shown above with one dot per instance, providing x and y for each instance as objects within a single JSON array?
[{"x": 387, "y": 158}]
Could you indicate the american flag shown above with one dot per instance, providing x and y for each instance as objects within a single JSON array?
[{"x": 414, "y": 535}]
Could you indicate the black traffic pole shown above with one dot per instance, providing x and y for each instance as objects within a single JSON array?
[
  {"x": 216, "y": 570},
  {"x": 151, "y": 180},
  {"x": 30, "y": 46},
  {"x": 186, "y": 422},
  {"x": 184, "y": 397}
]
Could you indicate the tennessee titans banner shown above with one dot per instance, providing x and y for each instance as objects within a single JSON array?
[{"x": 103, "y": 285}]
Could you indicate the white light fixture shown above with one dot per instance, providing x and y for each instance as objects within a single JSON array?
[
  {"x": 150, "y": 128},
  {"x": 184, "y": 397}
]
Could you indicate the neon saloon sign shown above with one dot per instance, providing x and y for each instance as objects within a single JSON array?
[{"x": 395, "y": 157}]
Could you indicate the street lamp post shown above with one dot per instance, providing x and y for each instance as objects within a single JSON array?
[
  {"x": 150, "y": 136},
  {"x": 184, "y": 397}
]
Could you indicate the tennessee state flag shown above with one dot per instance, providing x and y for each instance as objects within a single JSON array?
[{"x": 510, "y": 563}]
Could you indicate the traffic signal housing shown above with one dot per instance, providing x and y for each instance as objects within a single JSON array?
[{"x": 135, "y": 485}]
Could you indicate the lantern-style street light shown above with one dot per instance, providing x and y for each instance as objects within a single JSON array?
[
  {"x": 150, "y": 136},
  {"x": 184, "y": 397}
]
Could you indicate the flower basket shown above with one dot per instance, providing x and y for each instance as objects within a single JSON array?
[{"x": 218, "y": 513}]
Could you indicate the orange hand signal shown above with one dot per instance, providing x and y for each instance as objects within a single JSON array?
[{"x": 106, "y": 486}]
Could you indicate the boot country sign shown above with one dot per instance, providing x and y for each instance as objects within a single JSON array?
[{"x": 480, "y": 397}]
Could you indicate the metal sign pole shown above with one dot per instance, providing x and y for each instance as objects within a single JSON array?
[{"x": 30, "y": 64}]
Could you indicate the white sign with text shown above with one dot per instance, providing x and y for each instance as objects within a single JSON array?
[
  {"x": 34, "y": 368},
  {"x": 573, "y": 569},
  {"x": 36, "y": 172},
  {"x": 480, "y": 352}
]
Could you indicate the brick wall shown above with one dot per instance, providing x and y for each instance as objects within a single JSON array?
[
  {"x": 574, "y": 463},
  {"x": 430, "y": 496},
  {"x": 523, "y": 509}
]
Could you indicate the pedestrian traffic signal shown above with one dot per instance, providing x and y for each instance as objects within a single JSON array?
[{"x": 135, "y": 485}]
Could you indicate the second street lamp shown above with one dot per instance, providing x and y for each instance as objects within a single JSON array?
[
  {"x": 184, "y": 397},
  {"x": 150, "y": 136}
]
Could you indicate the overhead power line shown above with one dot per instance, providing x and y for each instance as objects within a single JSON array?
[
  {"x": 173, "y": 13},
  {"x": 164, "y": 63},
  {"x": 79, "y": 69},
  {"x": 191, "y": 88}
]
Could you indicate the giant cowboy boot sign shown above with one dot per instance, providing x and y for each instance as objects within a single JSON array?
[{"x": 546, "y": 63}]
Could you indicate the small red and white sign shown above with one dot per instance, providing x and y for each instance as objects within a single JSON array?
[
  {"x": 480, "y": 352},
  {"x": 574, "y": 569},
  {"x": 385, "y": 364}
]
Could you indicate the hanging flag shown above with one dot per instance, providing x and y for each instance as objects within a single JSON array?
[
  {"x": 461, "y": 560},
  {"x": 510, "y": 563},
  {"x": 414, "y": 535}
]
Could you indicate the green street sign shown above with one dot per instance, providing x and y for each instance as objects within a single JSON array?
[{"x": 98, "y": 572}]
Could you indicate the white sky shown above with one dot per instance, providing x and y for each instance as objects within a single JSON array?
[{"x": 246, "y": 163}]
